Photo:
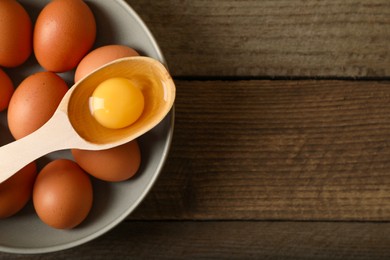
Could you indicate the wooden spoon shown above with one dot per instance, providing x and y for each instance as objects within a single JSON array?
[{"x": 73, "y": 126}]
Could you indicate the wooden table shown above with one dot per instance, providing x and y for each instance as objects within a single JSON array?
[{"x": 281, "y": 147}]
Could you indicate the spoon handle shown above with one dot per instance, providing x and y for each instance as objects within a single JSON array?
[{"x": 53, "y": 136}]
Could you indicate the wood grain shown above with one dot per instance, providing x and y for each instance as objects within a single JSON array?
[
  {"x": 233, "y": 240},
  {"x": 280, "y": 150},
  {"x": 331, "y": 38}
]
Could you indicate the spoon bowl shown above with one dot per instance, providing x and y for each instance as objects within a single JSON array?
[
  {"x": 73, "y": 126},
  {"x": 147, "y": 74}
]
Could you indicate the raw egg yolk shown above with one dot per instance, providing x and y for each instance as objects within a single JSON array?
[{"x": 116, "y": 103}]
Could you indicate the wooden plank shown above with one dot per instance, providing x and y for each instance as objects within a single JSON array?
[
  {"x": 330, "y": 38},
  {"x": 281, "y": 150},
  {"x": 233, "y": 240}
]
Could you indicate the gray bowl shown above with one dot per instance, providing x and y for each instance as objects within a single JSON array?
[{"x": 24, "y": 232}]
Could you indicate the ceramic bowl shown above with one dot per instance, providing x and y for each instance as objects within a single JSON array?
[{"x": 117, "y": 23}]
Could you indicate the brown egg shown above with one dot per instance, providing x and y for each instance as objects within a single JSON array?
[
  {"x": 101, "y": 56},
  {"x": 16, "y": 34},
  {"x": 16, "y": 191},
  {"x": 34, "y": 102},
  {"x": 115, "y": 164},
  {"x": 64, "y": 32},
  {"x": 62, "y": 194},
  {"x": 6, "y": 90}
]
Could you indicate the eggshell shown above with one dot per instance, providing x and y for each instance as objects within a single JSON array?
[
  {"x": 64, "y": 32},
  {"x": 62, "y": 194},
  {"x": 6, "y": 90},
  {"x": 16, "y": 34},
  {"x": 34, "y": 102},
  {"x": 101, "y": 56},
  {"x": 115, "y": 164},
  {"x": 16, "y": 191}
]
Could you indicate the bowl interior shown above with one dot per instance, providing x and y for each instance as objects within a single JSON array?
[{"x": 24, "y": 232}]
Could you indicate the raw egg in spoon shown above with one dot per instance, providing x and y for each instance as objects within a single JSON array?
[{"x": 74, "y": 126}]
